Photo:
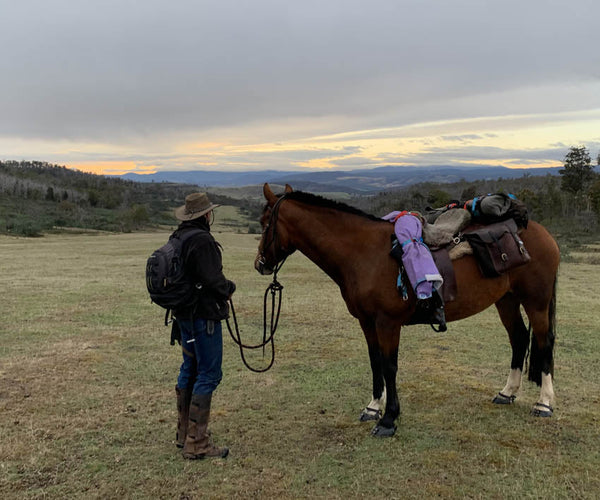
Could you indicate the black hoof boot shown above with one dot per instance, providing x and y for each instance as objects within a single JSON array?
[
  {"x": 381, "y": 431},
  {"x": 501, "y": 399},
  {"x": 543, "y": 411},
  {"x": 369, "y": 414}
]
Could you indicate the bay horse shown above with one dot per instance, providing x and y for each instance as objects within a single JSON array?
[{"x": 353, "y": 247}]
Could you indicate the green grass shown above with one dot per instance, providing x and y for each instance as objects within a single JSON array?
[{"x": 87, "y": 376}]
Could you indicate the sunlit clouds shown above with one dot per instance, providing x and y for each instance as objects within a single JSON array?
[
  {"x": 531, "y": 142},
  {"x": 510, "y": 141}
]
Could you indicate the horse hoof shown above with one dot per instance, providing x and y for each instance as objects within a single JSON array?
[
  {"x": 501, "y": 399},
  {"x": 369, "y": 414},
  {"x": 380, "y": 431},
  {"x": 545, "y": 411}
]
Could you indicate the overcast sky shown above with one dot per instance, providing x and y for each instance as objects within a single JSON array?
[{"x": 110, "y": 86}]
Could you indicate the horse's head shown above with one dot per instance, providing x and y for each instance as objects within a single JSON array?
[{"x": 274, "y": 244}]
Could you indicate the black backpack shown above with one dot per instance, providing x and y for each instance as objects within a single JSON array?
[{"x": 167, "y": 283}]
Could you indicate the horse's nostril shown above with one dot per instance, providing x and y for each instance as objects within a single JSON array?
[{"x": 259, "y": 265}]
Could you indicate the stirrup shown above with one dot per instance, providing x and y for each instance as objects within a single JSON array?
[{"x": 441, "y": 327}]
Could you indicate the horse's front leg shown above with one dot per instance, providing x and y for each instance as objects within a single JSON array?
[
  {"x": 374, "y": 410},
  {"x": 388, "y": 340},
  {"x": 387, "y": 424}
]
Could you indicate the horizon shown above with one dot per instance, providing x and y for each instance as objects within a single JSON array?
[
  {"x": 336, "y": 85},
  {"x": 357, "y": 170}
]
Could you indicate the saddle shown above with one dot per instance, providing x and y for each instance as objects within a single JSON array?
[{"x": 497, "y": 246}]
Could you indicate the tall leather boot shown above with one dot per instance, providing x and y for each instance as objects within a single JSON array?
[
  {"x": 184, "y": 397},
  {"x": 197, "y": 443}
]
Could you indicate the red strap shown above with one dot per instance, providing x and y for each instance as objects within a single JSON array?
[{"x": 402, "y": 214}]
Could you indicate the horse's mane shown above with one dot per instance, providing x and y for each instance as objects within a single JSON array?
[{"x": 319, "y": 201}]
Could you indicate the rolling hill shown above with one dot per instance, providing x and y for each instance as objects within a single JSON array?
[{"x": 366, "y": 181}]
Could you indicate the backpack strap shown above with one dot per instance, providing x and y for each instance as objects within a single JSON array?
[
  {"x": 186, "y": 234},
  {"x": 183, "y": 237}
]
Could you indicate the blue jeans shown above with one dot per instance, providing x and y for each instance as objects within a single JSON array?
[{"x": 202, "y": 346}]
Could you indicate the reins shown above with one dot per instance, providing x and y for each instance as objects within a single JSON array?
[{"x": 275, "y": 288}]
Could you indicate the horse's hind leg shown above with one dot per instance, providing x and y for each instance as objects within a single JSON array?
[
  {"x": 510, "y": 313},
  {"x": 541, "y": 365},
  {"x": 374, "y": 410}
]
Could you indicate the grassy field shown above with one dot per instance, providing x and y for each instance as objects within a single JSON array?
[{"x": 87, "y": 403}]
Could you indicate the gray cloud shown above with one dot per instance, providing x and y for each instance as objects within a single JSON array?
[
  {"x": 464, "y": 155},
  {"x": 461, "y": 138},
  {"x": 114, "y": 69}
]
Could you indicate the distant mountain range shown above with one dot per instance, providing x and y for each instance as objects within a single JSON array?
[{"x": 353, "y": 181}]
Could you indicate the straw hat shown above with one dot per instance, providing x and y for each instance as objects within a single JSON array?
[{"x": 196, "y": 205}]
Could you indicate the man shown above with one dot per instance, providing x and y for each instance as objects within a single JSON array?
[{"x": 200, "y": 329}]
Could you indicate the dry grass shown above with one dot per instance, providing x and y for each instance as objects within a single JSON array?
[{"x": 87, "y": 400}]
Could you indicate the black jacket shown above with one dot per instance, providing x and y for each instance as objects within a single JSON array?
[{"x": 202, "y": 257}]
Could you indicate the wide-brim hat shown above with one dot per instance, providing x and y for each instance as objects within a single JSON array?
[{"x": 196, "y": 205}]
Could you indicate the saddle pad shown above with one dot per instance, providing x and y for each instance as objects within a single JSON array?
[{"x": 459, "y": 250}]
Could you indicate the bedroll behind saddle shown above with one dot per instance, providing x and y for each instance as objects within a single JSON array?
[
  {"x": 492, "y": 208},
  {"x": 486, "y": 209}
]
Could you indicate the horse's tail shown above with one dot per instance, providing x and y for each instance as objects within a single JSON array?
[{"x": 542, "y": 359}]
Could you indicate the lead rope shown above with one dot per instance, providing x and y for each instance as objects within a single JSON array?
[{"x": 275, "y": 288}]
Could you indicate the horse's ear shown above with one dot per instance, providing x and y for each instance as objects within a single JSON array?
[
  {"x": 269, "y": 195},
  {"x": 288, "y": 188}
]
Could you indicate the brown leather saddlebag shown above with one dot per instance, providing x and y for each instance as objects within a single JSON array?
[{"x": 497, "y": 247}]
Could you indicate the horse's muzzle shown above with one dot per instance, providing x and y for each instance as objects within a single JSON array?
[{"x": 261, "y": 266}]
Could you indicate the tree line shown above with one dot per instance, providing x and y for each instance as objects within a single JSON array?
[
  {"x": 568, "y": 204},
  {"x": 38, "y": 196}
]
